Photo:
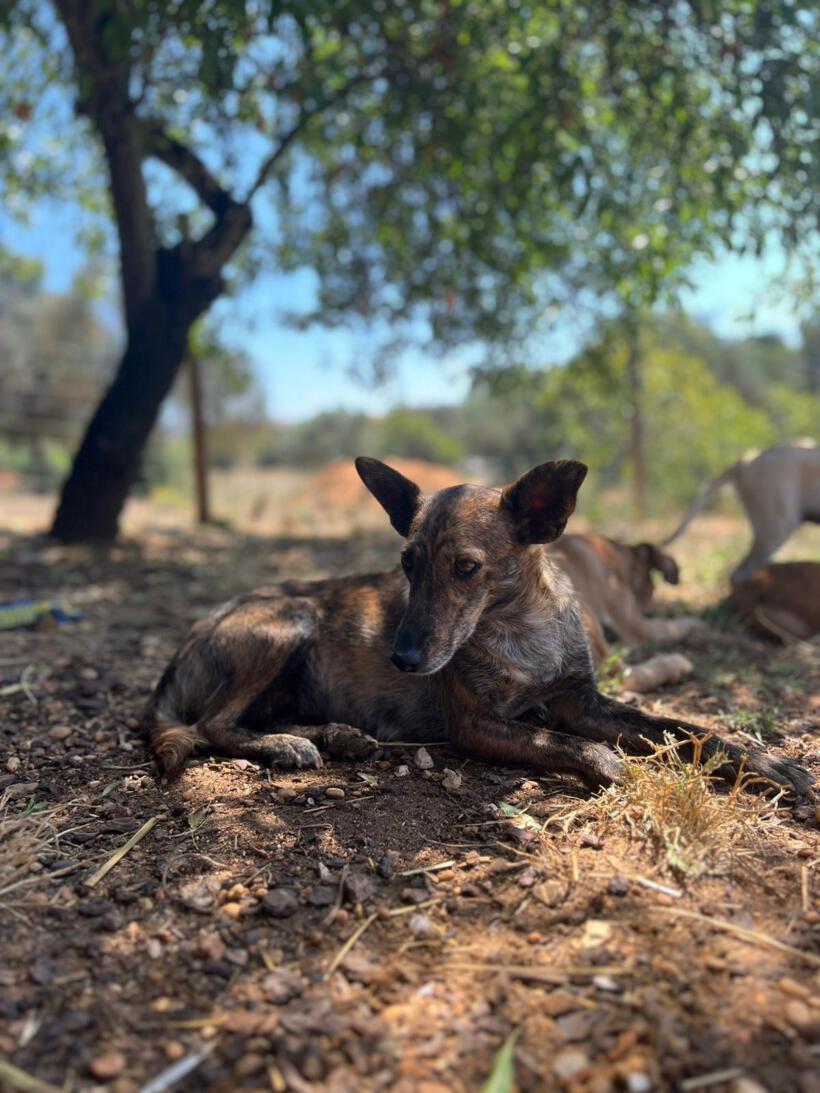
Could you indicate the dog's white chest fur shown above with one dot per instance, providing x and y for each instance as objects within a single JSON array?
[{"x": 538, "y": 638}]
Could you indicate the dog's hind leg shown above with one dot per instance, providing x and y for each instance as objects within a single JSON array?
[
  {"x": 289, "y": 747},
  {"x": 286, "y": 750},
  {"x": 587, "y": 713},
  {"x": 766, "y": 542},
  {"x": 339, "y": 741}
]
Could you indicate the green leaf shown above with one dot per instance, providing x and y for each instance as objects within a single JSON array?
[
  {"x": 511, "y": 810},
  {"x": 502, "y": 1075}
]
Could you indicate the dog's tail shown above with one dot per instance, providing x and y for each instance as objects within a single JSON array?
[
  {"x": 701, "y": 501},
  {"x": 171, "y": 743}
]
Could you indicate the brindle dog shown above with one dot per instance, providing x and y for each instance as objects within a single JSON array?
[{"x": 478, "y": 641}]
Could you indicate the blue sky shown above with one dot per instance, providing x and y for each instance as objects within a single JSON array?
[{"x": 304, "y": 372}]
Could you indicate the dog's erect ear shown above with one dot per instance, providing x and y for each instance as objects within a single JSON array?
[
  {"x": 665, "y": 564},
  {"x": 398, "y": 496},
  {"x": 541, "y": 501}
]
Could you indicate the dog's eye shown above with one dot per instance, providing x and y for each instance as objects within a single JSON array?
[
  {"x": 407, "y": 561},
  {"x": 466, "y": 567}
]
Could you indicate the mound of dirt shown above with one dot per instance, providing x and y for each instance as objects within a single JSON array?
[{"x": 338, "y": 486}]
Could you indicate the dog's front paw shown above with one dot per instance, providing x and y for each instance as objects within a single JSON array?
[
  {"x": 289, "y": 752},
  {"x": 347, "y": 742}
]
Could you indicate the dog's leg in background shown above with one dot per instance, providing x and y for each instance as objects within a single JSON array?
[
  {"x": 587, "y": 713},
  {"x": 768, "y": 539}
]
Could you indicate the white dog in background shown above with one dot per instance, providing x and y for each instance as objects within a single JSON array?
[{"x": 779, "y": 489}]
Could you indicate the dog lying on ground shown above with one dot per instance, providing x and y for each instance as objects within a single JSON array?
[
  {"x": 779, "y": 489},
  {"x": 614, "y": 582},
  {"x": 782, "y": 600},
  {"x": 483, "y": 632}
]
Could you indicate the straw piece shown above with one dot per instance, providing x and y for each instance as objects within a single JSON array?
[
  {"x": 118, "y": 855},
  {"x": 741, "y": 931},
  {"x": 351, "y": 941},
  {"x": 427, "y": 868},
  {"x": 176, "y": 1072},
  {"x": 544, "y": 975},
  {"x": 17, "y": 1079}
]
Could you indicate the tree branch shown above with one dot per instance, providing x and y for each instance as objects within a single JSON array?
[
  {"x": 187, "y": 164},
  {"x": 210, "y": 253},
  {"x": 233, "y": 219},
  {"x": 288, "y": 138},
  {"x": 276, "y": 154}
]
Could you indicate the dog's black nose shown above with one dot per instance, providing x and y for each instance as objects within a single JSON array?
[{"x": 408, "y": 659}]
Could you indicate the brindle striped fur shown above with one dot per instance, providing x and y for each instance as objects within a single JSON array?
[{"x": 486, "y": 628}]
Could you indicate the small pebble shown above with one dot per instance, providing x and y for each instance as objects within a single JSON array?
[
  {"x": 248, "y": 1065},
  {"x": 569, "y": 1062},
  {"x": 606, "y": 983},
  {"x": 336, "y": 793},
  {"x": 60, "y": 732},
  {"x": 210, "y": 945},
  {"x": 232, "y": 910},
  {"x": 174, "y": 1050},
  {"x": 387, "y": 864},
  {"x": 108, "y": 1066},
  {"x": 746, "y": 1085},
  {"x": 798, "y": 1014},
  {"x": 322, "y": 895},
  {"x": 13, "y": 764},
  {"x": 402, "y": 771},
  {"x": 792, "y": 987},
  {"x": 638, "y": 1082},
  {"x": 422, "y": 926},
  {"x": 360, "y": 887},
  {"x": 423, "y": 759},
  {"x": 716, "y": 963},
  {"x": 452, "y": 780},
  {"x": 618, "y": 886}
]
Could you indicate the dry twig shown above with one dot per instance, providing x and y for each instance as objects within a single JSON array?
[
  {"x": 741, "y": 931},
  {"x": 351, "y": 941},
  {"x": 118, "y": 855}
]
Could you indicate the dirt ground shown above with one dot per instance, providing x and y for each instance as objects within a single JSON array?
[{"x": 372, "y": 926}]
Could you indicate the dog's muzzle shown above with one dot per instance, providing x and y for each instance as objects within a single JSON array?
[{"x": 407, "y": 659}]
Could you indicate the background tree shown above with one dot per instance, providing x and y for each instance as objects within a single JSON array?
[
  {"x": 57, "y": 358},
  {"x": 811, "y": 356},
  {"x": 450, "y": 171}
]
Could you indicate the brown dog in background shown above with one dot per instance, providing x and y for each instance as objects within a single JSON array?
[
  {"x": 614, "y": 582},
  {"x": 478, "y": 641},
  {"x": 782, "y": 600}
]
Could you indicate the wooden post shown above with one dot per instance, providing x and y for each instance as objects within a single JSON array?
[
  {"x": 637, "y": 441},
  {"x": 203, "y": 508}
]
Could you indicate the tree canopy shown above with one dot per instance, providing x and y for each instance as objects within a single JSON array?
[
  {"x": 458, "y": 163},
  {"x": 453, "y": 173}
]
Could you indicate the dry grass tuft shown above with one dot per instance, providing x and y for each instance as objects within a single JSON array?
[
  {"x": 24, "y": 836},
  {"x": 675, "y": 807}
]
